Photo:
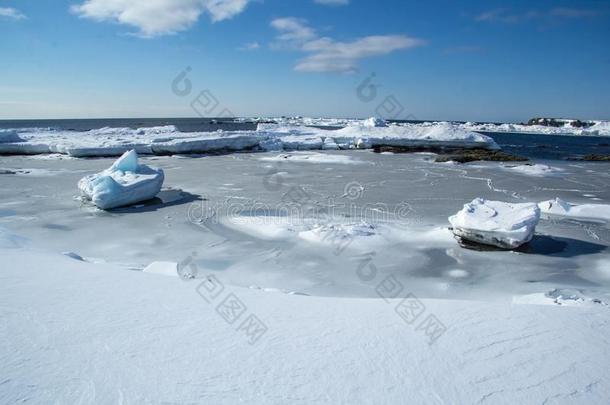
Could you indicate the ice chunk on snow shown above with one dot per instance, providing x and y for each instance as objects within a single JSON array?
[
  {"x": 560, "y": 208},
  {"x": 505, "y": 225},
  {"x": 125, "y": 182}
]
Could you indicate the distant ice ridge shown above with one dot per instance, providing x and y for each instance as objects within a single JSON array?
[
  {"x": 167, "y": 140},
  {"x": 600, "y": 128},
  {"x": 371, "y": 133},
  {"x": 496, "y": 223},
  {"x": 126, "y": 182}
]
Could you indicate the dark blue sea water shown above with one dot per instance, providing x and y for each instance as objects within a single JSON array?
[{"x": 552, "y": 147}]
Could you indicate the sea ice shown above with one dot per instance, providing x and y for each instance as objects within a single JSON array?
[
  {"x": 374, "y": 122},
  {"x": 9, "y": 136},
  {"x": 505, "y": 225},
  {"x": 560, "y": 208},
  {"x": 126, "y": 182},
  {"x": 169, "y": 140},
  {"x": 538, "y": 170}
]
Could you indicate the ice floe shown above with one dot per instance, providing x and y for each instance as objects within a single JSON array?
[
  {"x": 495, "y": 223},
  {"x": 126, "y": 182},
  {"x": 560, "y": 208}
]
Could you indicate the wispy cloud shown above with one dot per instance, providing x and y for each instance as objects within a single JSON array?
[
  {"x": 250, "y": 46},
  {"x": 506, "y": 16},
  {"x": 332, "y": 2},
  {"x": 9, "y": 12},
  {"x": 158, "y": 17},
  {"x": 328, "y": 55},
  {"x": 574, "y": 12}
]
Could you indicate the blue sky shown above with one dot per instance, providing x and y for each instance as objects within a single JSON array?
[{"x": 474, "y": 60}]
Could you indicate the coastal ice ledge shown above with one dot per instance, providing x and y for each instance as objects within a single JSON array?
[
  {"x": 126, "y": 182},
  {"x": 495, "y": 223}
]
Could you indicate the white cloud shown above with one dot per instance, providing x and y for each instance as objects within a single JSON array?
[
  {"x": 332, "y": 2},
  {"x": 328, "y": 55},
  {"x": 158, "y": 17},
  {"x": 505, "y": 16},
  {"x": 250, "y": 46},
  {"x": 293, "y": 29},
  {"x": 10, "y": 12}
]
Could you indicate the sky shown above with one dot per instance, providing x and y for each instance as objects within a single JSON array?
[{"x": 477, "y": 60}]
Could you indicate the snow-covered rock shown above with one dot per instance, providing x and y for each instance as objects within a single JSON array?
[
  {"x": 495, "y": 223},
  {"x": 126, "y": 182},
  {"x": 560, "y": 208}
]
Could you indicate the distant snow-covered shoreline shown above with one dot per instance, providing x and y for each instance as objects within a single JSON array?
[{"x": 167, "y": 140}]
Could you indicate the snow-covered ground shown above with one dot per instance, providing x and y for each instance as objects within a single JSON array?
[{"x": 317, "y": 277}]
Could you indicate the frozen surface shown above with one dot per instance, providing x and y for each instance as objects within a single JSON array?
[
  {"x": 126, "y": 182},
  {"x": 323, "y": 254},
  {"x": 239, "y": 213},
  {"x": 496, "y": 223},
  {"x": 560, "y": 208},
  {"x": 312, "y": 157},
  {"x": 538, "y": 170}
]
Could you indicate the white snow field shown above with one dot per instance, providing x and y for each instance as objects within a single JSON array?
[
  {"x": 168, "y": 140},
  {"x": 126, "y": 182},
  {"x": 78, "y": 332},
  {"x": 496, "y": 223},
  {"x": 309, "y": 281}
]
